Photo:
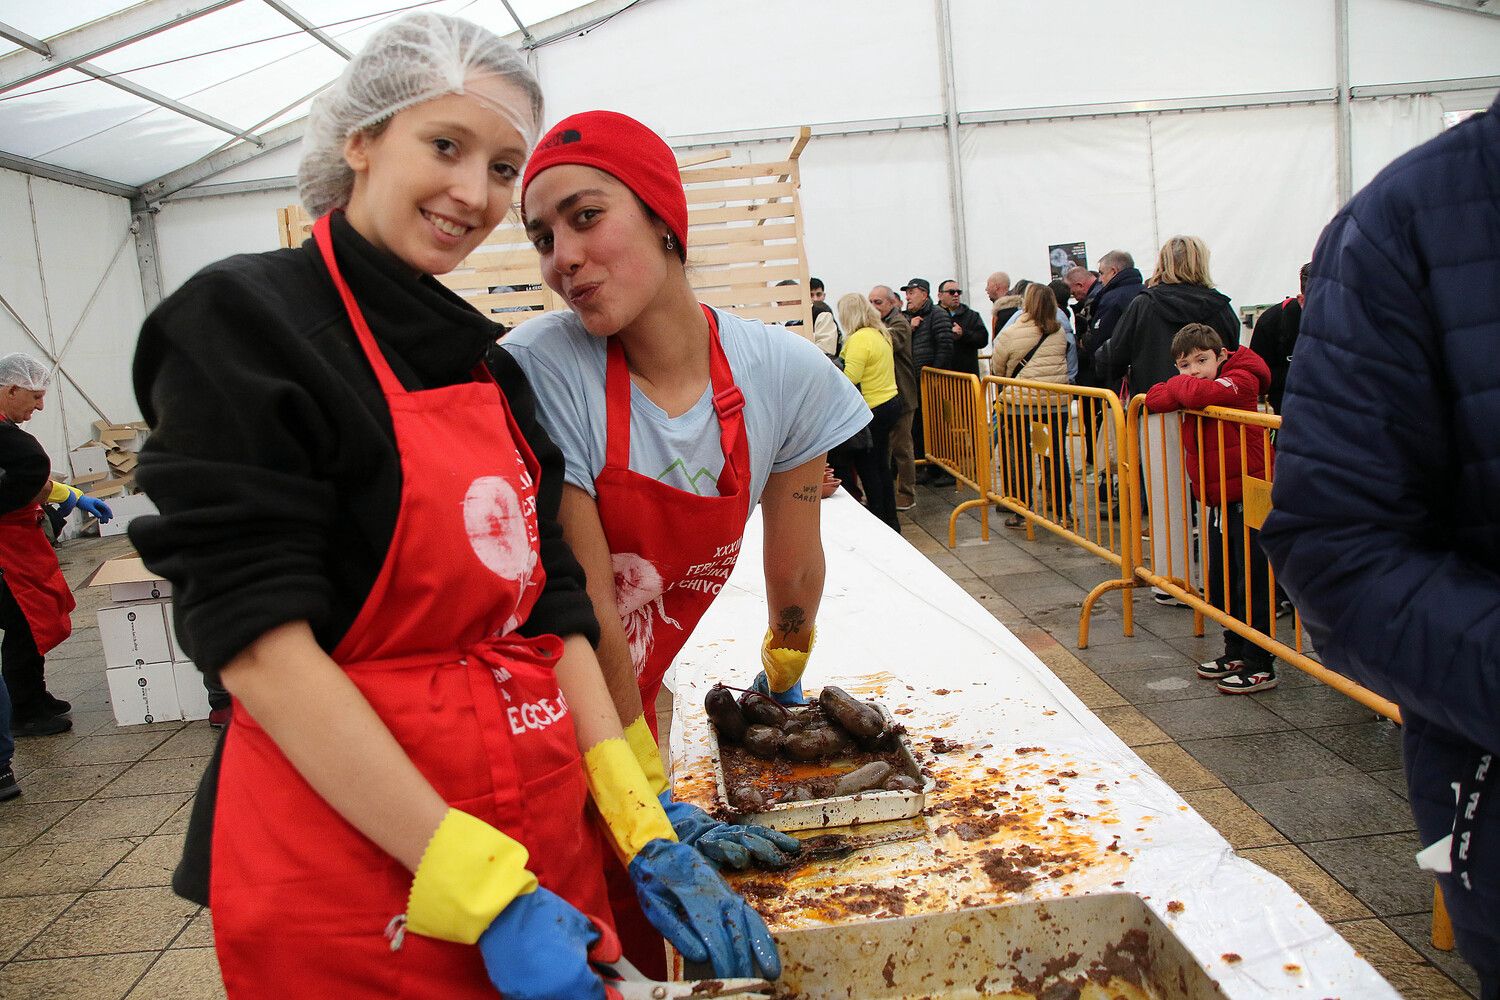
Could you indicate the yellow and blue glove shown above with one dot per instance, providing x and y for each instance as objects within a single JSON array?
[
  {"x": 682, "y": 895},
  {"x": 781, "y": 670},
  {"x": 725, "y": 844},
  {"x": 472, "y": 886},
  {"x": 67, "y": 497}
]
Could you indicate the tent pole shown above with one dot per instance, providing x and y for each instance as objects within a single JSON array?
[
  {"x": 1343, "y": 128},
  {"x": 143, "y": 228},
  {"x": 955, "y": 169}
]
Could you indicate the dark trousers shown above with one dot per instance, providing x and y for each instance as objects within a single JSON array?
[
  {"x": 1228, "y": 523},
  {"x": 874, "y": 463},
  {"x": 1057, "y": 475},
  {"x": 20, "y": 662}
]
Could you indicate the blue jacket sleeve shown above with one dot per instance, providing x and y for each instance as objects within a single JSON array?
[{"x": 1361, "y": 534}]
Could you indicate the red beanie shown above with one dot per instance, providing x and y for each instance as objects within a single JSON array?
[{"x": 626, "y": 150}]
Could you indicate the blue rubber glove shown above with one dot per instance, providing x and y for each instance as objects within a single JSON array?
[
  {"x": 727, "y": 844},
  {"x": 98, "y": 508},
  {"x": 791, "y": 696},
  {"x": 687, "y": 900},
  {"x": 541, "y": 948},
  {"x": 65, "y": 506}
]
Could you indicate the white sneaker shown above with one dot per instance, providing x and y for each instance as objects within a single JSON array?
[
  {"x": 906, "y": 506},
  {"x": 1165, "y": 599}
]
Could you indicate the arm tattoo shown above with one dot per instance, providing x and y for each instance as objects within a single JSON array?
[
  {"x": 808, "y": 493},
  {"x": 792, "y": 619}
]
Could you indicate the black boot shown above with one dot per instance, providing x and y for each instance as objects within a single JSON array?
[{"x": 8, "y": 787}]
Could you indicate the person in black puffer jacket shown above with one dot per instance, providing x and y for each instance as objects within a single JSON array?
[
  {"x": 1140, "y": 348},
  {"x": 1385, "y": 529}
]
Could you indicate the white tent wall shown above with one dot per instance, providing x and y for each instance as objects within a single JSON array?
[
  {"x": 1385, "y": 127},
  {"x": 69, "y": 269},
  {"x": 192, "y": 234},
  {"x": 1398, "y": 41}
]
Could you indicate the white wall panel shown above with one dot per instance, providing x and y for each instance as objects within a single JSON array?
[
  {"x": 48, "y": 273},
  {"x": 1102, "y": 51},
  {"x": 875, "y": 210},
  {"x": 1257, "y": 186},
  {"x": 1029, "y": 185},
  {"x": 1397, "y": 41},
  {"x": 195, "y": 233},
  {"x": 691, "y": 66},
  {"x": 1386, "y": 127}
]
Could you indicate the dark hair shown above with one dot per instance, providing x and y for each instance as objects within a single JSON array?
[
  {"x": 786, "y": 281},
  {"x": 1020, "y": 286},
  {"x": 815, "y": 284},
  {"x": 1060, "y": 291},
  {"x": 1304, "y": 274},
  {"x": 1196, "y": 337}
]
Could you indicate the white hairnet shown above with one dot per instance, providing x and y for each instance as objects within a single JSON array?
[
  {"x": 413, "y": 59},
  {"x": 25, "y": 371}
]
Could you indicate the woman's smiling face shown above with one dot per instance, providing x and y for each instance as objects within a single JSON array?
[{"x": 437, "y": 180}]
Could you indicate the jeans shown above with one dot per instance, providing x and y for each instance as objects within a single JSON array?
[
  {"x": 874, "y": 463},
  {"x": 7, "y": 741}
]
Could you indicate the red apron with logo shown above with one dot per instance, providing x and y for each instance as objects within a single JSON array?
[
  {"x": 671, "y": 552},
  {"x": 34, "y": 577},
  {"x": 301, "y": 899}
]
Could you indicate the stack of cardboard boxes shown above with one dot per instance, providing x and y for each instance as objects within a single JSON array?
[
  {"x": 104, "y": 468},
  {"x": 150, "y": 679}
]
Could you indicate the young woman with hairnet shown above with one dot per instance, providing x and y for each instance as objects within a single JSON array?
[
  {"x": 357, "y": 513},
  {"x": 675, "y": 421},
  {"x": 35, "y": 603}
]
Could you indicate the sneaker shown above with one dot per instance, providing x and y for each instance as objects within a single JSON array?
[
  {"x": 906, "y": 506},
  {"x": 1247, "y": 680},
  {"x": 54, "y": 705},
  {"x": 1221, "y": 667},
  {"x": 1284, "y": 608},
  {"x": 1165, "y": 599},
  {"x": 41, "y": 725},
  {"x": 8, "y": 787},
  {"x": 219, "y": 718}
]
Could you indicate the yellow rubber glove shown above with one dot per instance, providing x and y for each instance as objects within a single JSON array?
[
  {"x": 630, "y": 810},
  {"x": 647, "y": 754},
  {"x": 784, "y": 666},
  {"x": 61, "y": 492},
  {"x": 468, "y": 874}
]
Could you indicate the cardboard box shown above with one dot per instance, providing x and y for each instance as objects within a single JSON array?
[
  {"x": 134, "y": 634},
  {"x": 125, "y": 510},
  {"x": 128, "y": 579},
  {"x": 143, "y": 693},
  {"x": 122, "y": 462},
  {"x": 192, "y": 696},
  {"x": 107, "y": 488},
  {"x": 171, "y": 617},
  {"x": 89, "y": 463}
]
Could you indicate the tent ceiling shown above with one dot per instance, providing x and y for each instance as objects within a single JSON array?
[{"x": 128, "y": 93}]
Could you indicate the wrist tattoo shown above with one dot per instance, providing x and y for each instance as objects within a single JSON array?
[
  {"x": 808, "y": 493},
  {"x": 792, "y": 619}
]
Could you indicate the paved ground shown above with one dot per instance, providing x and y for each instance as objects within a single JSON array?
[{"x": 1299, "y": 779}]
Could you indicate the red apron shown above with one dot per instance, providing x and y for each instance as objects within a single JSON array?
[
  {"x": 671, "y": 552},
  {"x": 300, "y": 898},
  {"x": 34, "y": 577}
]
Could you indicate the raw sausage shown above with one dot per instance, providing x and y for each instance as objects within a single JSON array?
[
  {"x": 816, "y": 744},
  {"x": 764, "y": 741},
  {"x": 724, "y": 712},
  {"x": 765, "y": 711},
  {"x": 854, "y": 715},
  {"x": 863, "y": 779}
]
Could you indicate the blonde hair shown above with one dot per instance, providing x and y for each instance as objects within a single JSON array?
[
  {"x": 1040, "y": 304},
  {"x": 856, "y": 313},
  {"x": 1183, "y": 260}
]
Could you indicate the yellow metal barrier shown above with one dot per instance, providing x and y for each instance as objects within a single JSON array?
[
  {"x": 956, "y": 437},
  {"x": 1209, "y": 566},
  {"x": 1038, "y": 430}
]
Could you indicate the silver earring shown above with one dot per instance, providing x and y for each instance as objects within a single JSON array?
[{"x": 671, "y": 242}]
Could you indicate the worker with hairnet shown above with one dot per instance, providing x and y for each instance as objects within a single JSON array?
[{"x": 35, "y": 602}]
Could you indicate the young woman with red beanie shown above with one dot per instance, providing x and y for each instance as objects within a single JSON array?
[
  {"x": 358, "y": 512},
  {"x": 674, "y": 420}
]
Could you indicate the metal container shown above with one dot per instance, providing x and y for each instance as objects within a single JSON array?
[
  {"x": 1110, "y": 945},
  {"x": 843, "y": 810}
]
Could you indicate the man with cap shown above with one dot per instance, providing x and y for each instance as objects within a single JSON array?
[
  {"x": 967, "y": 326},
  {"x": 35, "y": 603},
  {"x": 931, "y": 347}
]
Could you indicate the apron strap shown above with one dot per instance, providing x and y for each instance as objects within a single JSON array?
[
  {"x": 728, "y": 402},
  {"x": 323, "y": 236}
]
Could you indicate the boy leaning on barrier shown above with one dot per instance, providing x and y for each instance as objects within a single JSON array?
[{"x": 1210, "y": 375}]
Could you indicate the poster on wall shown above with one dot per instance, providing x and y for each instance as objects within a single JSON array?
[{"x": 1065, "y": 255}]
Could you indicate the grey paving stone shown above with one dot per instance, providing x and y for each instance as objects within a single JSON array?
[
  {"x": 1416, "y": 930},
  {"x": 1369, "y": 746},
  {"x": 1331, "y": 808},
  {"x": 1258, "y": 758},
  {"x": 1177, "y": 682},
  {"x": 1380, "y": 870},
  {"x": 1218, "y": 715},
  {"x": 1317, "y": 706},
  {"x": 1141, "y": 653},
  {"x": 1394, "y": 779}
]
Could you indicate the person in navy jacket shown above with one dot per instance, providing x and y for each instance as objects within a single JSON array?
[{"x": 1386, "y": 527}]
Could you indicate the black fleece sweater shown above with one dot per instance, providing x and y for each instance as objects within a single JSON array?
[{"x": 273, "y": 461}]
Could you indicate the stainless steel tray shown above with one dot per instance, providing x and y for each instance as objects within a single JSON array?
[
  {"x": 1021, "y": 950},
  {"x": 843, "y": 810}
]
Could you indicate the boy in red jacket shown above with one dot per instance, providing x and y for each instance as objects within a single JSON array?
[{"x": 1209, "y": 375}]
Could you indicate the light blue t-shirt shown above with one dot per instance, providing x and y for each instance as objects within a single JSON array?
[{"x": 797, "y": 404}]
